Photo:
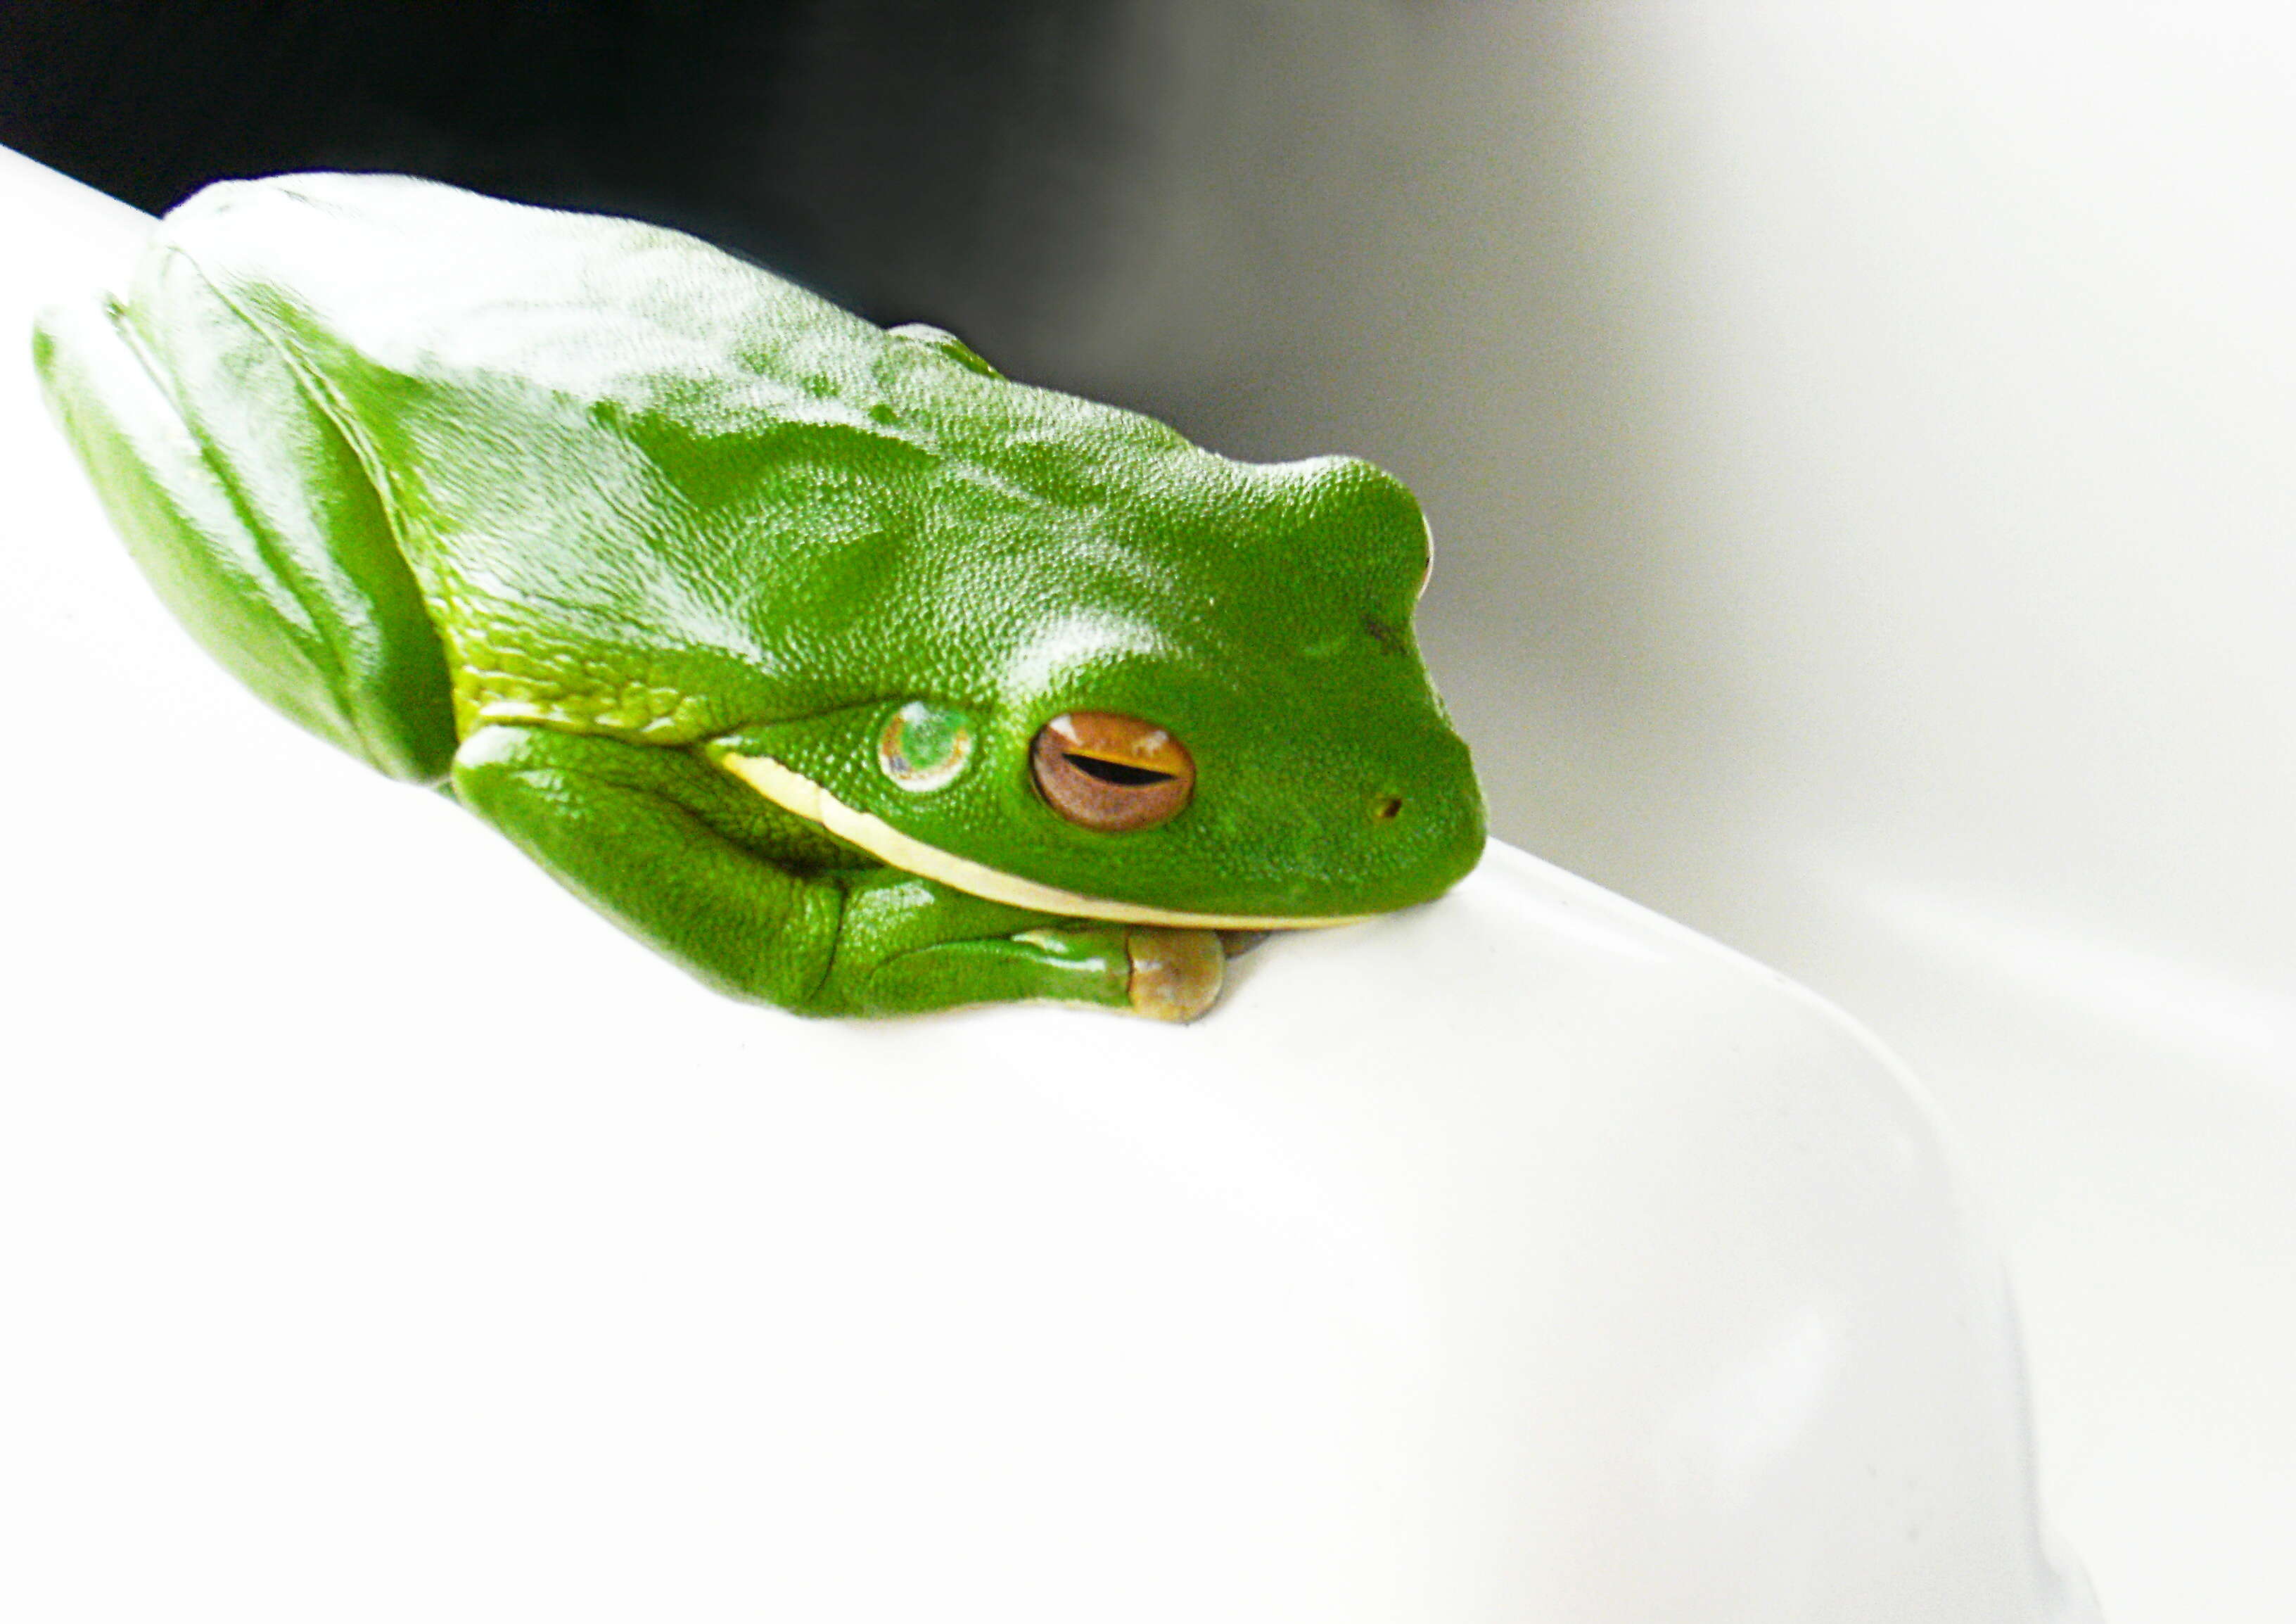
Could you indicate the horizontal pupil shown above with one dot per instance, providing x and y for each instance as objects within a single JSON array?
[{"x": 1116, "y": 772}]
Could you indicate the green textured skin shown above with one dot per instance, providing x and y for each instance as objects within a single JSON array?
[{"x": 558, "y": 509}]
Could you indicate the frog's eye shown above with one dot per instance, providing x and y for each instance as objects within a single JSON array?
[
  {"x": 925, "y": 746},
  {"x": 1112, "y": 773}
]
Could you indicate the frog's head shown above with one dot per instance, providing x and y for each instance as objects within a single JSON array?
[{"x": 1198, "y": 705}]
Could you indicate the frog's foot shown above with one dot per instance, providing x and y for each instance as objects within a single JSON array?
[
  {"x": 1154, "y": 970},
  {"x": 1176, "y": 974}
]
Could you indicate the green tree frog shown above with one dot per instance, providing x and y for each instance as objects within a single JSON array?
[{"x": 848, "y": 673}]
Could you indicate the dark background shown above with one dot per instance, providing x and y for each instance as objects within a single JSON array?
[{"x": 887, "y": 152}]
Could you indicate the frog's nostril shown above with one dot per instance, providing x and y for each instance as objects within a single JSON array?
[{"x": 1387, "y": 808}]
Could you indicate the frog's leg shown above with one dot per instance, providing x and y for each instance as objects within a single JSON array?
[
  {"x": 650, "y": 837},
  {"x": 248, "y": 510}
]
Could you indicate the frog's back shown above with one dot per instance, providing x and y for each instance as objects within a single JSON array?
[
  {"x": 602, "y": 444},
  {"x": 650, "y": 489}
]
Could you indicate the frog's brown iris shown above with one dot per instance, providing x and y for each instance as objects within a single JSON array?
[{"x": 1111, "y": 773}]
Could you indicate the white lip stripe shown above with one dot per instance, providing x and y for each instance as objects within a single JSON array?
[{"x": 796, "y": 793}]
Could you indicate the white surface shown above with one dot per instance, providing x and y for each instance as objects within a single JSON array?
[
  {"x": 1861, "y": 445},
  {"x": 383, "y": 1236}
]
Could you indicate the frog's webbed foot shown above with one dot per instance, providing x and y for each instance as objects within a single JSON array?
[
  {"x": 1163, "y": 974},
  {"x": 1160, "y": 973}
]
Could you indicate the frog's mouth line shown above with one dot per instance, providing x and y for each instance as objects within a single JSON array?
[{"x": 793, "y": 792}]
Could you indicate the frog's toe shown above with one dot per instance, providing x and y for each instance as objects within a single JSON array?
[{"x": 1176, "y": 974}]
